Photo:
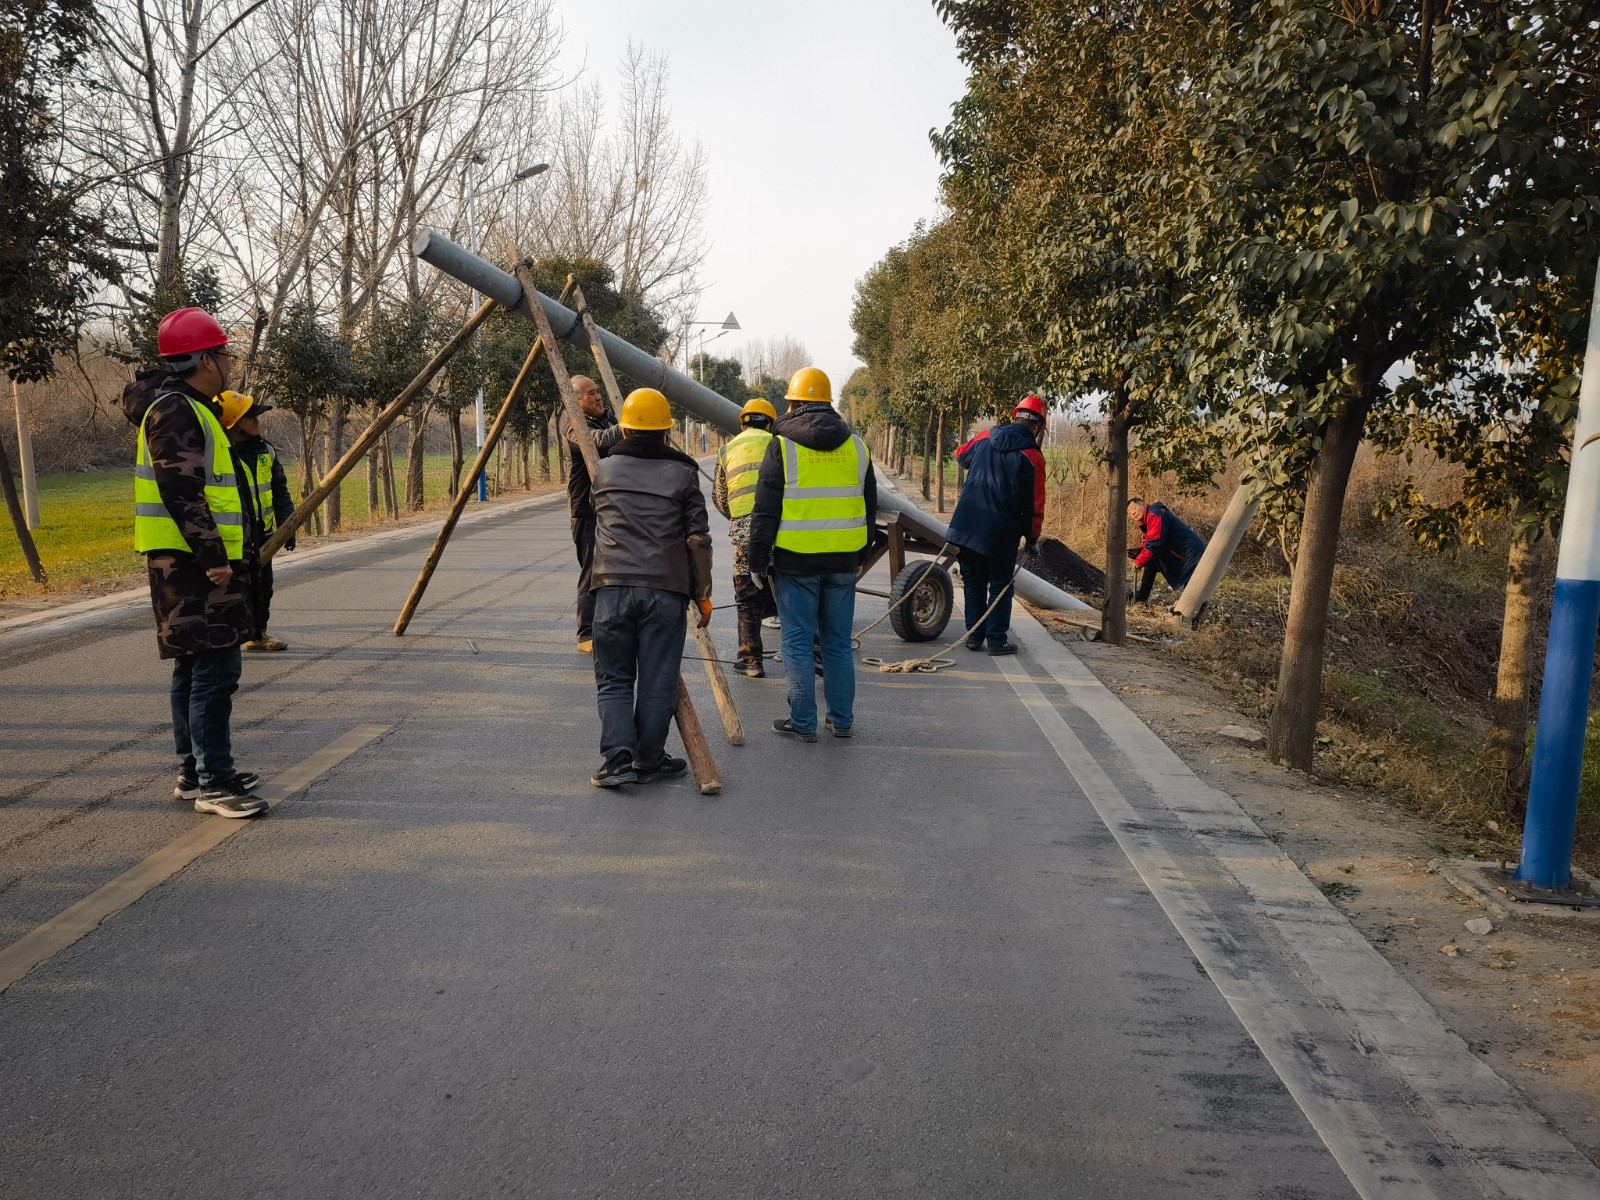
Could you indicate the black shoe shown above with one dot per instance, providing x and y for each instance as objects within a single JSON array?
[
  {"x": 975, "y": 642},
  {"x": 837, "y": 731},
  {"x": 667, "y": 768},
  {"x": 230, "y": 798},
  {"x": 785, "y": 728},
  {"x": 997, "y": 651},
  {"x": 614, "y": 773},
  {"x": 188, "y": 785}
]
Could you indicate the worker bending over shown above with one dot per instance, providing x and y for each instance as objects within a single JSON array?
[
  {"x": 194, "y": 523},
  {"x": 734, "y": 493},
  {"x": 601, "y": 429},
  {"x": 1168, "y": 546},
  {"x": 652, "y": 554},
  {"x": 1001, "y": 503},
  {"x": 241, "y": 417},
  {"x": 816, "y": 498}
]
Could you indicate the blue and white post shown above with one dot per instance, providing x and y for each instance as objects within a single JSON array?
[{"x": 1552, "y": 818}]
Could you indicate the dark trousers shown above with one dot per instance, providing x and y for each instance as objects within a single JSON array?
[
  {"x": 982, "y": 580},
  {"x": 754, "y": 604},
  {"x": 202, "y": 711},
  {"x": 261, "y": 598},
  {"x": 583, "y": 542},
  {"x": 1176, "y": 571},
  {"x": 638, "y": 653}
]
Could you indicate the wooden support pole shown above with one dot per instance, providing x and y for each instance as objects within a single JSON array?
[
  {"x": 608, "y": 377},
  {"x": 732, "y": 724},
  {"x": 694, "y": 736},
  {"x": 381, "y": 422},
  {"x": 469, "y": 485}
]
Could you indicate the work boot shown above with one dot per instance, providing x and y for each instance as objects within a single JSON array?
[
  {"x": 975, "y": 642},
  {"x": 667, "y": 768},
  {"x": 265, "y": 645},
  {"x": 615, "y": 771},
  {"x": 585, "y": 645},
  {"x": 785, "y": 728},
  {"x": 750, "y": 650},
  {"x": 1004, "y": 648},
  {"x": 840, "y": 731}
]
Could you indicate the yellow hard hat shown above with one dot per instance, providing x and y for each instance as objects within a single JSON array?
[
  {"x": 234, "y": 406},
  {"x": 646, "y": 408},
  {"x": 758, "y": 407},
  {"x": 808, "y": 383}
]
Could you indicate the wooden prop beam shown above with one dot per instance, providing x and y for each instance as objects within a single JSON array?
[
  {"x": 694, "y": 736},
  {"x": 358, "y": 449}
]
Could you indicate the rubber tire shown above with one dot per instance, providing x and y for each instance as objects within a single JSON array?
[{"x": 922, "y": 618}]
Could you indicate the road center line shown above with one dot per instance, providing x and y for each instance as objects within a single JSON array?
[{"x": 73, "y": 923}]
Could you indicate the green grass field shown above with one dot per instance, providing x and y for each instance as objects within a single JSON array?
[{"x": 85, "y": 529}]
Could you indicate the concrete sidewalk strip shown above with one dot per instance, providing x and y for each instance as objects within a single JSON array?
[
  {"x": 74, "y": 923},
  {"x": 1513, "y": 1150},
  {"x": 104, "y": 610}
]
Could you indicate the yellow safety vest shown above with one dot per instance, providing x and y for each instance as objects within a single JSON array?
[
  {"x": 741, "y": 466},
  {"x": 261, "y": 484},
  {"x": 154, "y": 527},
  {"x": 824, "y": 504}
]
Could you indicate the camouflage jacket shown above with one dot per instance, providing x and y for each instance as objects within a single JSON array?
[{"x": 193, "y": 615}]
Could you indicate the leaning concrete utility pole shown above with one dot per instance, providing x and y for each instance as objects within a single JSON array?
[
  {"x": 1219, "y": 553},
  {"x": 1549, "y": 828},
  {"x": 440, "y": 252}
]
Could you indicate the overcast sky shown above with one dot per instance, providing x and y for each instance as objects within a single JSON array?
[{"x": 815, "y": 116}]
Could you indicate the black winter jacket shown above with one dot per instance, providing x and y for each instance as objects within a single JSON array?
[
  {"x": 650, "y": 520},
  {"x": 817, "y": 427},
  {"x": 996, "y": 508},
  {"x": 604, "y": 432}
]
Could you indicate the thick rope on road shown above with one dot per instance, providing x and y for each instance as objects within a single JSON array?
[{"x": 936, "y": 662}]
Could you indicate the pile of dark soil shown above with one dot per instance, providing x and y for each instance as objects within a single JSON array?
[{"x": 1058, "y": 565}]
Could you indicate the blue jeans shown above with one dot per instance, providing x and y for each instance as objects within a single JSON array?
[
  {"x": 810, "y": 607},
  {"x": 202, "y": 710},
  {"x": 638, "y": 654},
  {"x": 983, "y": 579}
]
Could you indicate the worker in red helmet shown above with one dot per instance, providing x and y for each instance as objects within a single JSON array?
[
  {"x": 1001, "y": 504},
  {"x": 194, "y": 521}
]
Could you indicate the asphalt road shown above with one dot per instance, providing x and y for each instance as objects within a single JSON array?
[{"x": 921, "y": 962}]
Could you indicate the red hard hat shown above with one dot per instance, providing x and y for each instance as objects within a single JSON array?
[
  {"x": 1030, "y": 404},
  {"x": 189, "y": 331}
]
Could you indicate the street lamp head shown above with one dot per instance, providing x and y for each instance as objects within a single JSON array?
[
  {"x": 530, "y": 172},
  {"x": 731, "y": 323}
]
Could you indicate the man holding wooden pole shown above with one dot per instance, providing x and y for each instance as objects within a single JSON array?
[{"x": 652, "y": 552}]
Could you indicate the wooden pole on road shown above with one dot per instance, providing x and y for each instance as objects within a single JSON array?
[{"x": 694, "y": 736}]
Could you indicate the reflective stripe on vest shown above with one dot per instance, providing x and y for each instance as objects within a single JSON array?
[
  {"x": 260, "y": 473},
  {"x": 741, "y": 467},
  {"x": 824, "y": 501},
  {"x": 154, "y": 527}
]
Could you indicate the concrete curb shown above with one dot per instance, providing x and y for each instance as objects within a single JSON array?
[{"x": 1483, "y": 882}]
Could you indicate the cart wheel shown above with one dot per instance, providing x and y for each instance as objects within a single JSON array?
[{"x": 924, "y": 616}]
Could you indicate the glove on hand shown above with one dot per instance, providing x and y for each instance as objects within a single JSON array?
[
  {"x": 705, "y": 612},
  {"x": 758, "y": 581},
  {"x": 1133, "y": 551}
]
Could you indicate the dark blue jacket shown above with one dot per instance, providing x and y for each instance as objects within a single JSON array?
[
  {"x": 1002, "y": 501},
  {"x": 1170, "y": 544}
]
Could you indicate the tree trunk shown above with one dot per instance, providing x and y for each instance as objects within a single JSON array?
[
  {"x": 938, "y": 459},
  {"x": 523, "y": 451},
  {"x": 1292, "y": 731},
  {"x": 390, "y": 502},
  {"x": 335, "y": 453},
  {"x": 455, "y": 451},
  {"x": 961, "y": 437},
  {"x": 308, "y": 462},
  {"x": 1507, "y": 745},
  {"x": 30, "y": 552},
  {"x": 543, "y": 449},
  {"x": 1114, "y": 616},
  {"x": 927, "y": 441},
  {"x": 415, "y": 462},
  {"x": 374, "y": 510}
]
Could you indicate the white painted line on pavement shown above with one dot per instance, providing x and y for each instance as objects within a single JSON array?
[
  {"x": 1511, "y": 1149},
  {"x": 72, "y": 924}
]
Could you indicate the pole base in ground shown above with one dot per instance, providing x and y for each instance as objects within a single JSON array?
[{"x": 1581, "y": 895}]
